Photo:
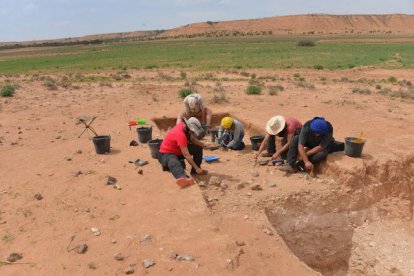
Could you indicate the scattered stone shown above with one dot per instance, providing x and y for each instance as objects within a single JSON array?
[
  {"x": 372, "y": 244},
  {"x": 75, "y": 210},
  {"x": 77, "y": 173},
  {"x": 240, "y": 186},
  {"x": 148, "y": 263},
  {"x": 240, "y": 243},
  {"x": 68, "y": 158},
  {"x": 82, "y": 248},
  {"x": 95, "y": 231},
  {"x": 268, "y": 232},
  {"x": 187, "y": 258},
  {"x": 202, "y": 184},
  {"x": 173, "y": 255},
  {"x": 147, "y": 237},
  {"x": 119, "y": 257},
  {"x": 249, "y": 194},
  {"x": 113, "y": 241},
  {"x": 79, "y": 151},
  {"x": 254, "y": 173},
  {"x": 256, "y": 187},
  {"x": 111, "y": 180},
  {"x": 141, "y": 172},
  {"x": 215, "y": 180},
  {"x": 223, "y": 186},
  {"x": 246, "y": 217},
  {"x": 14, "y": 257},
  {"x": 116, "y": 186},
  {"x": 129, "y": 270},
  {"x": 50, "y": 174},
  {"x": 38, "y": 196},
  {"x": 58, "y": 137},
  {"x": 87, "y": 210},
  {"x": 271, "y": 183},
  {"x": 13, "y": 143}
]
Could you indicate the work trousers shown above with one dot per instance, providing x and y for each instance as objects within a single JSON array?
[
  {"x": 175, "y": 163},
  {"x": 316, "y": 158}
]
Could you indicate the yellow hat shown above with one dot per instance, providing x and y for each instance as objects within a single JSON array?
[{"x": 226, "y": 122}]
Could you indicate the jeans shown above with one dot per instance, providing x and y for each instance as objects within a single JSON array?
[
  {"x": 175, "y": 163},
  {"x": 316, "y": 158},
  {"x": 239, "y": 145}
]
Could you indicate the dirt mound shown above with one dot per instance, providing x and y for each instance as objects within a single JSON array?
[{"x": 322, "y": 24}]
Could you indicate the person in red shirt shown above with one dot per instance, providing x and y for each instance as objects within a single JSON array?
[
  {"x": 176, "y": 147},
  {"x": 281, "y": 126}
]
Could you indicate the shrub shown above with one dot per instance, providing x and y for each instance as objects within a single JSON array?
[
  {"x": 378, "y": 87},
  {"x": 318, "y": 67},
  {"x": 253, "y": 90},
  {"x": 184, "y": 92},
  {"x": 7, "y": 91},
  {"x": 253, "y": 76},
  {"x": 304, "y": 84},
  {"x": 306, "y": 43},
  {"x": 392, "y": 79},
  {"x": 183, "y": 75},
  {"x": 50, "y": 84},
  {"x": 274, "y": 90},
  {"x": 363, "y": 91}
]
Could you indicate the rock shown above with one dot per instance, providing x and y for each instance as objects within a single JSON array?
[
  {"x": 240, "y": 243},
  {"x": 240, "y": 186},
  {"x": 113, "y": 241},
  {"x": 372, "y": 244},
  {"x": 148, "y": 263},
  {"x": 147, "y": 237},
  {"x": 254, "y": 173},
  {"x": 223, "y": 186},
  {"x": 246, "y": 217},
  {"x": 79, "y": 151},
  {"x": 119, "y": 257},
  {"x": 111, "y": 180},
  {"x": 215, "y": 180},
  {"x": 14, "y": 257},
  {"x": 82, "y": 248},
  {"x": 271, "y": 183},
  {"x": 68, "y": 158},
  {"x": 95, "y": 231},
  {"x": 202, "y": 184},
  {"x": 77, "y": 173},
  {"x": 188, "y": 258},
  {"x": 129, "y": 270},
  {"x": 256, "y": 187},
  {"x": 268, "y": 232},
  {"x": 173, "y": 255},
  {"x": 38, "y": 196},
  {"x": 141, "y": 172},
  {"x": 249, "y": 194}
]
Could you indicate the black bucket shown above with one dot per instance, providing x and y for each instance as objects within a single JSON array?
[
  {"x": 154, "y": 146},
  {"x": 213, "y": 135},
  {"x": 256, "y": 141},
  {"x": 102, "y": 144},
  {"x": 353, "y": 149},
  {"x": 144, "y": 134}
]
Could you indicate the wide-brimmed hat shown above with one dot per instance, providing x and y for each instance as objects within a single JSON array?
[
  {"x": 194, "y": 125},
  {"x": 275, "y": 125}
]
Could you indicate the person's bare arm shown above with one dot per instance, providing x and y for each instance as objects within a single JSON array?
[
  {"x": 284, "y": 148},
  {"x": 315, "y": 150},
  {"x": 263, "y": 145},
  {"x": 304, "y": 156},
  {"x": 209, "y": 115},
  {"x": 180, "y": 118}
]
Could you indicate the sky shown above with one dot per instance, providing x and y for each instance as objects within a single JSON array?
[{"x": 22, "y": 20}]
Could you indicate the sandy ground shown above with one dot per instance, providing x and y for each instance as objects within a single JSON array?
[{"x": 224, "y": 228}]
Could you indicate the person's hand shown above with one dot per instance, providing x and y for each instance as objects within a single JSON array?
[
  {"x": 256, "y": 155},
  {"x": 309, "y": 166},
  {"x": 275, "y": 156},
  {"x": 200, "y": 171}
]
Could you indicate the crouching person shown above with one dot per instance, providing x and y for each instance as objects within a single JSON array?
[
  {"x": 231, "y": 134},
  {"x": 181, "y": 143},
  {"x": 313, "y": 145}
]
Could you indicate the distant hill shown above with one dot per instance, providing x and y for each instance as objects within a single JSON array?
[
  {"x": 318, "y": 24},
  {"x": 310, "y": 24}
]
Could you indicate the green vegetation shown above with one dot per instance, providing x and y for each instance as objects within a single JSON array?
[
  {"x": 209, "y": 54},
  {"x": 7, "y": 91},
  {"x": 253, "y": 90},
  {"x": 306, "y": 43},
  {"x": 184, "y": 92}
]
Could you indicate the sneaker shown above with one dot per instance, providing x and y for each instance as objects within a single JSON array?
[
  {"x": 267, "y": 154},
  {"x": 288, "y": 169},
  {"x": 185, "y": 181}
]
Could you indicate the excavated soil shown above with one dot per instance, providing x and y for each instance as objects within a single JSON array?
[{"x": 354, "y": 218}]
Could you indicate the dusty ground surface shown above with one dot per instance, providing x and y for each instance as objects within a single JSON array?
[{"x": 346, "y": 220}]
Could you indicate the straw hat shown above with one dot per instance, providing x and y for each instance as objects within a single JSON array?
[{"x": 275, "y": 125}]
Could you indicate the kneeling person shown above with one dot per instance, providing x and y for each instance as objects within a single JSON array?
[
  {"x": 231, "y": 134},
  {"x": 176, "y": 147}
]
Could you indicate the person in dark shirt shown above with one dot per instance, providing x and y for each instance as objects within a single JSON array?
[{"x": 312, "y": 145}]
